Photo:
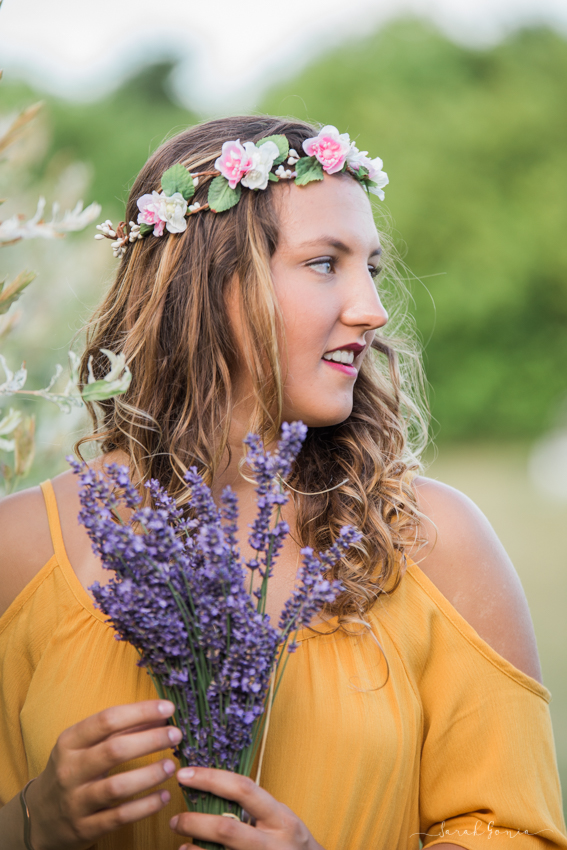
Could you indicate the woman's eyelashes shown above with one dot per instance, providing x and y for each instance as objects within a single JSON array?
[{"x": 328, "y": 265}]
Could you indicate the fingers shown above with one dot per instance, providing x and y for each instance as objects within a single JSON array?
[
  {"x": 119, "y": 749},
  {"x": 232, "y": 786},
  {"x": 114, "y": 789},
  {"x": 77, "y": 801},
  {"x": 227, "y": 832},
  {"x": 117, "y": 719},
  {"x": 276, "y": 825},
  {"x": 142, "y": 727},
  {"x": 110, "y": 819}
]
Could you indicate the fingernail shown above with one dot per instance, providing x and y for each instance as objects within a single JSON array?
[
  {"x": 186, "y": 773},
  {"x": 166, "y": 708},
  {"x": 174, "y": 735},
  {"x": 169, "y": 767},
  {"x": 165, "y": 796},
  {"x": 173, "y": 821}
]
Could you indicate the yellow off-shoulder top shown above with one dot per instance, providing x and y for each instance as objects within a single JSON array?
[{"x": 456, "y": 748}]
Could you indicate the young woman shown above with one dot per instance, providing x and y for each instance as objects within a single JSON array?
[{"x": 413, "y": 707}]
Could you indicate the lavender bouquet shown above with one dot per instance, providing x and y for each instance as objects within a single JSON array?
[{"x": 179, "y": 597}]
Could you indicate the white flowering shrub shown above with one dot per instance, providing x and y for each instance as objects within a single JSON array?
[{"x": 17, "y": 428}]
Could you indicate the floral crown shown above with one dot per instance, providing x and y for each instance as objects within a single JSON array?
[{"x": 248, "y": 165}]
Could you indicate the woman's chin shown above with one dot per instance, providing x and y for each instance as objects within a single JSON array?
[{"x": 320, "y": 419}]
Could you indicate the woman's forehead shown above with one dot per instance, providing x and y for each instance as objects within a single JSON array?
[{"x": 335, "y": 209}]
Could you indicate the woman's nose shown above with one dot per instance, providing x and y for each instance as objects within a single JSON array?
[{"x": 364, "y": 307}]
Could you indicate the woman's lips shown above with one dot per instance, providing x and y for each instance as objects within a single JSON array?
[
  {"x": 346, "y": 368},
  {"x": 357, "y": 347}
]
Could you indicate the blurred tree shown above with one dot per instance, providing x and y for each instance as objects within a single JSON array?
[
  {"x": 114, "y": 135},
  {"x": 475, "y": 146}
]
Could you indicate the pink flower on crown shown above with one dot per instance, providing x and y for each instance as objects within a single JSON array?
[
  {"x": 149, "y": 206},
  {"x": 234, "y": 162},
  {"x": 330, "y": 148}
]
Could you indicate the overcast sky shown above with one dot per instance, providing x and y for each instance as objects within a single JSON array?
[{"x": 230, "y": 49}]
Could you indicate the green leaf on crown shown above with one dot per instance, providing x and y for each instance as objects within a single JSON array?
[
  {"x": 282, "y": 144},
  {"x": 362, "y": 172},
  {"x": 273, "y": 178},
  {"x": 368, "y": 184},
  {"x": 178, "y": 179},
  {"x": 308, "y": 168},
  {"x": 221, "y": 197},
  {"x": 146, "y": 228}
]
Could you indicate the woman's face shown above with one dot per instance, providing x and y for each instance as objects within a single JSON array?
[{"x": 323, "y": 273}]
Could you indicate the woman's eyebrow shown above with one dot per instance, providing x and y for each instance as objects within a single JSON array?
[{"x": 335, "y": 243}]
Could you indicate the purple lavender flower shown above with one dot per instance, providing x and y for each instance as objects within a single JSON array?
[
  {"x": 315, "y": 589},
  {"x": 178, "y": 595}
]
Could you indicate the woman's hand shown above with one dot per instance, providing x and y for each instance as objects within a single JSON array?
[
  {"x": 276, "y": 826},
  {"x": 74, "y": 802}
]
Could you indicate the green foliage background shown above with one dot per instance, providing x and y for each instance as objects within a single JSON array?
[{"x": 474, "y": 142}]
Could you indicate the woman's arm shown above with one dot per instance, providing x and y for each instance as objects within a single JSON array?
[
  {"x": 467, "y": 562},
  {"x": 12, "y": 825},
  {"x": 488, "y": 752}
]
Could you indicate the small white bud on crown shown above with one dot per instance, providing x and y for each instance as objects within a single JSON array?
[
  {"x": 134, "y": 233},
  {"x": 283, "y": 173},
  {"x": 106, "y": 228},
  {"x": 118, "y": 248}
]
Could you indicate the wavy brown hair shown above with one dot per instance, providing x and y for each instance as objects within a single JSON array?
[{"x": 166, "y": 311}]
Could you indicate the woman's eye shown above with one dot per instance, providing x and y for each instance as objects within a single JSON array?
[
  {"x": 322, "y": 266},
  {"x": 328, "y": 267}
]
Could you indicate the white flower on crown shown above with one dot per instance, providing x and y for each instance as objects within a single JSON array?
[
  {"x": 355, "y": 159},
  {"x": 163, "y": 210},
  {"x": 174, "y": 209},
  {"x": 262, "y": 159},
  {"x": 381, "y": 178}
]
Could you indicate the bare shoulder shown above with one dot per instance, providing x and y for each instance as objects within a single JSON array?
[
  {"x": 26, "y": 539},
  {"x": 467, "y": 562},
  {"x": 25, "y": 542}
]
